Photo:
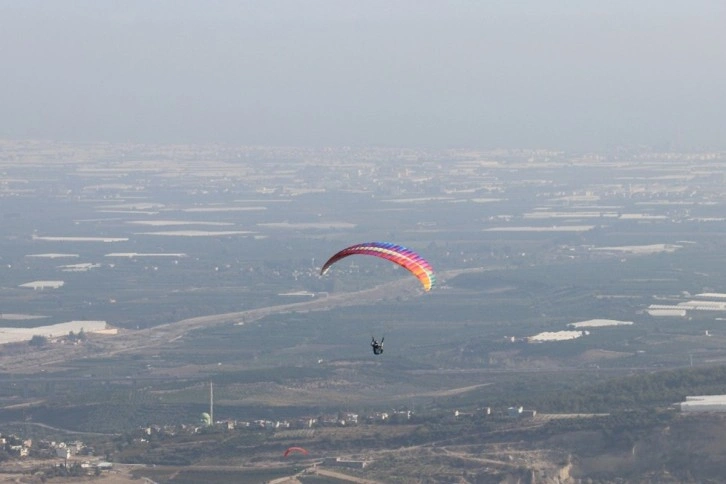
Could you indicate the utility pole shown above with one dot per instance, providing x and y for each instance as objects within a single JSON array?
[{"x": 211, "y": 402}]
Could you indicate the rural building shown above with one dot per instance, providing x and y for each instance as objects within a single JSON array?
[
  {"x": 520, "y": 412},
  {"x": 670, "y": 311},
  {"x": 35, "y": 285},
  {"x": 18, "y": 450},
  {"x": 704, "y": 403},
  {"x": 63, "y": 452},
  {"x": 403, "y": 414},
  {"x": 348, "y": 463}
]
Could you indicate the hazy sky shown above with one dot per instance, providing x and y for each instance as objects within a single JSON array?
[{"x": 575, "y": 74}]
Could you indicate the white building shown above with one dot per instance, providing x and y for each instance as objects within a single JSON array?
[
  {"x": 669, "y": 311},
  {"x": 35, "y": 285},
  {"x": 704, "y": 403}
]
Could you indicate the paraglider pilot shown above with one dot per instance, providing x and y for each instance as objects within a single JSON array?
[{"x": 377, "y": 347}]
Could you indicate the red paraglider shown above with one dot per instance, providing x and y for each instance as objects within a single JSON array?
[
  {"x": 398, "y": 254},
  {"x": 299, "y": 450}
]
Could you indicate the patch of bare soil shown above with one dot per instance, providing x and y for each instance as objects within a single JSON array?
[{"x": 595, "y": 355}]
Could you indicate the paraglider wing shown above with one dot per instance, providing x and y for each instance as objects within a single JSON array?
[
  {"x": 295, "y": 449},
  {"x": 398, "y": 254}
]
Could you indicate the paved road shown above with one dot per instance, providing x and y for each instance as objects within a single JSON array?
[{"x": 129, "y": 341}]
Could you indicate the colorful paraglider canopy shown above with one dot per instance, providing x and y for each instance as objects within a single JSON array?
[
  {"x": 398, "y": 254},
  {"x": 291, "y": 450}
]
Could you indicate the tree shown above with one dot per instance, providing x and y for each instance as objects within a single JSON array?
[
  {"x": 38, "y": 341},
  {"x": 73, "y": 337}
]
